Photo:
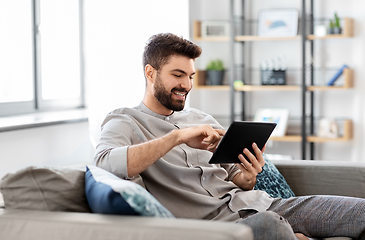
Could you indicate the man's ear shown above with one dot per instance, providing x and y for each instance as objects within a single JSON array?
[{"x": 150, "y": 73}]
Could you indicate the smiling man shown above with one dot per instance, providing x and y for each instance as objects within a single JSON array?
[
  {"x": 171, "y": 85},
  {"x": 169, "y": 147}
]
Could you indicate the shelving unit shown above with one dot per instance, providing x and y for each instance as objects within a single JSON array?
[
  {"x": 199, "y": 78},
  {"x": 252, "y": 88},
  {"x": 199, "y": 82},
  {"x": 258, "y": 38},
  {"x": 347, "y": 135},
  {"x": 348, "y": 31},
  {"x": 348, "y": 83},
  {"x": 307, "y": 135},
  {"x": 198, "y": 36}
]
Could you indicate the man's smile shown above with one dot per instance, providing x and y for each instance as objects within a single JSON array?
[{"x": 179, "y": 94}]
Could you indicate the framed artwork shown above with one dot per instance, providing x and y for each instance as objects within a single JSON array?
[
  {"x": 327, "y": 128},
  {"x": 278, "y": 116},
  {"x": 278, "y": 23},
  {"x": 214, "y": 28}
]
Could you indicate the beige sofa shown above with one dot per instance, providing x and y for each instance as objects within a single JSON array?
[{"x": 304, "y": 177}]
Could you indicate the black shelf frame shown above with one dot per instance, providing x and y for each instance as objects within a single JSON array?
[{"x": 304, "y": 92}]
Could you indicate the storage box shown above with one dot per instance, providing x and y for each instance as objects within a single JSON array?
[{"x": 273, "y": 77}]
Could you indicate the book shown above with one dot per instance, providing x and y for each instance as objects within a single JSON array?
[{"x": 336, "y": 76}]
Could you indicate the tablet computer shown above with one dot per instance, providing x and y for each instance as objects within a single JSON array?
[{"x": 241, "y": 135}]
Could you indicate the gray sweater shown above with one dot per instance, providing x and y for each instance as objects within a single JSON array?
[{"x": 182, "y": 180}]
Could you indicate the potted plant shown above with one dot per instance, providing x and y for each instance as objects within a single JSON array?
[
  {"x": 335, "y": 27},
  {"x": 215, "y": 72}
]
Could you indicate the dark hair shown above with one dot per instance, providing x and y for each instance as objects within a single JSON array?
[{"x": 162, "y": 46}]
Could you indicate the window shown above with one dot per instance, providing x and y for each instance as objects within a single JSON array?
[{"x": 41, "y": 53}]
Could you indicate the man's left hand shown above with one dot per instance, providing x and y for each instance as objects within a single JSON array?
[{"x": 251, "y": 166}]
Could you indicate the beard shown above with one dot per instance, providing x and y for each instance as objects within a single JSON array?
[{"x": 165, "y": 97}]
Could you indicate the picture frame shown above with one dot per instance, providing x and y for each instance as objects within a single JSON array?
[
  {"x": 214, "y": 28},
  {"x": 278, "y": 116},
  {"x": 327, "y": 128},
  {"x": 278, "y": 23}
]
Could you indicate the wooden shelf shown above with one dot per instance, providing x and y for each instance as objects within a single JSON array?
[
  {"x": 244, "y": 38},
  {"x": 348, "y": 31},
  {"x": 287, "y": 138},
  {"x": 213, "y": 87},
  {"x": 199, "y": 83},
  {"x": 347, "y": 135},
  {"x": 198, "y": 36},
  {"x": 348, "y": 83},
  {"x": 249, "y": 88}
]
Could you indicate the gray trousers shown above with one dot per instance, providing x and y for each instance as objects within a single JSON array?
[{"x": 314, "y": 216}]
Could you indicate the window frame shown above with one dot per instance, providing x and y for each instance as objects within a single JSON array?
[{"x": 38, "y": 104}]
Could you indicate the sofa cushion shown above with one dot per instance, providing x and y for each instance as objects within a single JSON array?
[
  {"x": 47, "y": 189},
  {"x": 108, "y": 194},
  {"x": 271, "y": 181},
  {"x": 40, "y": 225}
]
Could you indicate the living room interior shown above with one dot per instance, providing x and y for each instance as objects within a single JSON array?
[
  {"x": 113, "y": 78},
  {"x": 112, "y": 37}
]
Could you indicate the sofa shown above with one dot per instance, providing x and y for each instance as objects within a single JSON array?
[{"x": 304, "y": 178}]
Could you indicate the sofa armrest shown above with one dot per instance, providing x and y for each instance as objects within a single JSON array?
[
  {"x": 26, "y": 224},
  {"x": 307, "y": 177},
  {"x": 2, "y": 204}
]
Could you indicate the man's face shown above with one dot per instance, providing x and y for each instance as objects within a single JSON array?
[{"x": 173, "y": 82}]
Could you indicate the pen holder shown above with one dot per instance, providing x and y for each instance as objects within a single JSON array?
[{"x": 273, "y": 77}]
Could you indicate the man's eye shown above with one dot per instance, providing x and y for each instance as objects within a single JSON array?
[{"x": 177, "y": 75}]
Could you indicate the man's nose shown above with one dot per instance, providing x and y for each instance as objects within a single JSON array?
[{"x": 187, "y": 83}]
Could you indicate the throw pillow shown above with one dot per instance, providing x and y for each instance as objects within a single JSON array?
[
  {"x": 106, "y": 193},
  {"x": 46, "y": 189},
  {"x": 271, "y": 181}
]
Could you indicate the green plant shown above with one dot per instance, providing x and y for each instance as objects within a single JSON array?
[
  {"x": 337, "y": 21},
  {"x": 332, "y": 24},
  {"x": 215, "y": 65}
]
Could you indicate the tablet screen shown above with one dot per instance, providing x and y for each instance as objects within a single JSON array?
[{"x": 241, "y": 135}]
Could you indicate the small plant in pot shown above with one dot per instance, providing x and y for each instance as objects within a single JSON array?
[
  {"x": 335, "y": 26},
  {"x": 215, "y": 72}
]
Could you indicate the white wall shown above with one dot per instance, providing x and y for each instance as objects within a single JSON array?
[
  {"x": 328, "y": 53},
  {"x": 57, "y": 145},
  {"x": 115, "y": 35}
]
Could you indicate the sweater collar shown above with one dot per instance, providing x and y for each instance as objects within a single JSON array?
[{"x": 145, "y": 109}]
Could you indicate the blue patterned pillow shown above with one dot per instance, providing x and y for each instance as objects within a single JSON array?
[
  {"x": 108, "y": 194},
  {"x": 271, "y": 181}
]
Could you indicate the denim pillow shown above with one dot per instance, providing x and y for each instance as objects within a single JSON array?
[
  {"x": 108, "y": 194},
  {"x": 271, "y": 181}
]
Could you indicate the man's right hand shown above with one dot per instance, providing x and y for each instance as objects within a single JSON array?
[
  {"x": 143, "y": 155},
  {"x": 201, "y": 137}
]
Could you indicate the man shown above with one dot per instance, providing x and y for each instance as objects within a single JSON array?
[{"x": 170, "y": 147}]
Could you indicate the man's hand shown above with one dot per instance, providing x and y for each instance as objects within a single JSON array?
[
  {"x": 141, "y": 156},
  {"x": 201, "y": 137},
  {"x": 246, "y": 179}
]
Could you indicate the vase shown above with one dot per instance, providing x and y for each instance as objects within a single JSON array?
[
  {"x": 336, "y": 30},
  {"x": 215, "y": 77}
]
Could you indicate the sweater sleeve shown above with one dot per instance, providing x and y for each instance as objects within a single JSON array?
[
  {"x": 232, "y": 170},
  {"x": 115, "y": 138}
]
